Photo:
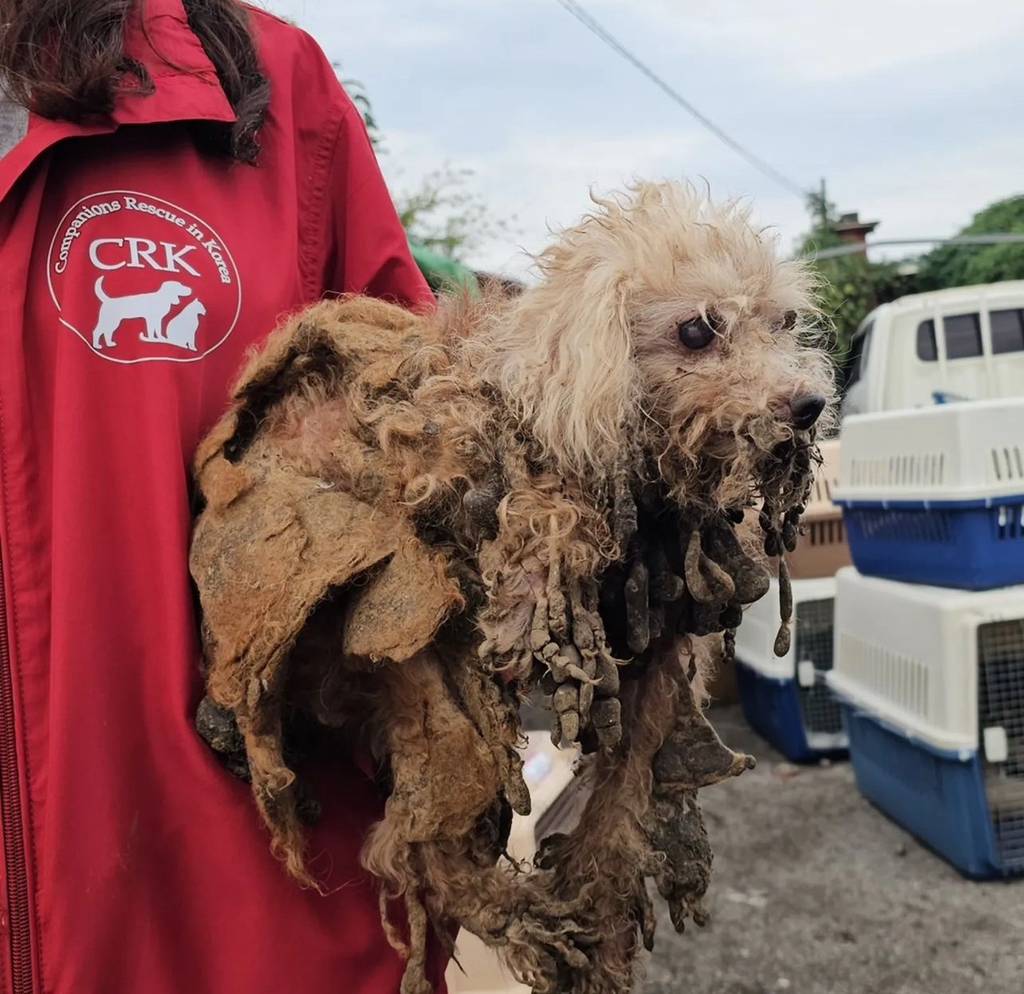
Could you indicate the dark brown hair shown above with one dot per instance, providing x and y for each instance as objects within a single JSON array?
[{"x": 65, "y": 59}]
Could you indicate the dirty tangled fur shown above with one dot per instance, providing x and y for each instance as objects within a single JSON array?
[{"x": 402, "y": 537}]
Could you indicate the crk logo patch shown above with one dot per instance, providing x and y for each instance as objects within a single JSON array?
[{"x": 140, "y": 279}]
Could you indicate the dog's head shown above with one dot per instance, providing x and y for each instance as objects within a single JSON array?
[
  {"x": 668, "y": 324},
  {"x": 175, "y": 291}
]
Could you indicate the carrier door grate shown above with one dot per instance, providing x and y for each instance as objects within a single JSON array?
[
  {"x": 1001, "y": 704},
  {"x": 1008, "y": 522},
  {"x": 814, "y": 628}
]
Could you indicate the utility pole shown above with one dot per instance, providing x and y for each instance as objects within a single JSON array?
[{"x": 823, "y": 205}]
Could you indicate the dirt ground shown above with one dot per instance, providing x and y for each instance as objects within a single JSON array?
[{"x": 816, "y": 892}]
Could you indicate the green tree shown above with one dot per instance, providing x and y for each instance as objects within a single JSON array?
[
  {"x": 964, "y": 265},
  {"x": 446, "y": 215},
  {"x": 357, "y": 91},
  {"x": 851, "y": 285}
]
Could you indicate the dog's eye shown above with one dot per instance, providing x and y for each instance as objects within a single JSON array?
[
  {"x": 789, "y": 320},
  {"x": 697, "y": 333}
]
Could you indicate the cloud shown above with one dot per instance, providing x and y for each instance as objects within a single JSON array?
[
  {"x": 543, "y": 182},
  {"x": 392, "y": 27},
  {"x": 910, "y": 110},
  {"x": 825, "y": 40}
]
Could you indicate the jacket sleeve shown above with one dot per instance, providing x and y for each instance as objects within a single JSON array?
[{"x": 367, "y": 250}]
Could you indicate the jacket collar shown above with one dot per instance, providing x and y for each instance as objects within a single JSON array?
[
  {"x": 187, "y": 88},
  {"x": 157, "y": 35}
]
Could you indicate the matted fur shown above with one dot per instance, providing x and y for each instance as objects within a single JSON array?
[
  {"x": 634, "y": 269},
  {"x": 410, "y": 519}
]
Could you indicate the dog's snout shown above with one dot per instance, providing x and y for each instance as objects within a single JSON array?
[{"x": 805, "y": 410}]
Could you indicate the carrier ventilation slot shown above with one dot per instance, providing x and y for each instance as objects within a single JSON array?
[
  {"x": 823, "y": 488},
  {"x": 1007, "y": 463},
  {"x": 907, "y": 470},
  {"x": 892, "y": 676},
  {"x": 825, "y": 532}
]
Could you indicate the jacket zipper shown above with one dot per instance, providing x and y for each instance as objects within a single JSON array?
[{"x": 10, "y": 809}]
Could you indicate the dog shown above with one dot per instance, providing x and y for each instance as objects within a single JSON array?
[
  {"x": 152, "y": 308},
  {"x": 181, "y": 329},
  {"x": 413, "y": 521}
]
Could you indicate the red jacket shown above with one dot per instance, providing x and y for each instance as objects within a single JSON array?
[{"x": 134, "y": 274}]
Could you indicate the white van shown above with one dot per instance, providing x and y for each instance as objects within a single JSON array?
[{"x": 965, "y": 343}]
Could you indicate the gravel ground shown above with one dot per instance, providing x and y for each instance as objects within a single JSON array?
[{"x": 816, "y": 892}]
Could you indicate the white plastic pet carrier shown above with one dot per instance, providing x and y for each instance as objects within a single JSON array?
[
  {"x": 786, "y": 699},
  {"x": 936, "y": 495},
  {"x": 822, "y": 549},
  {"x": 944, "y": 671},
  {"x": 946, "y": 453}
]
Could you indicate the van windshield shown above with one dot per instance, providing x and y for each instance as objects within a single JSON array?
[
  {"x": 927, "y": 348},
  {"x": 857, "y": 358}
]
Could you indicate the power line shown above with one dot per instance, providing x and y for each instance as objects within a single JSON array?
[
  {"x": 1009, "y": 238},
  {"x": 588, "y": 21}
]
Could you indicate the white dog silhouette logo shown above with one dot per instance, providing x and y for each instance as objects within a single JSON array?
[
  {"x": 139, "y": 279},
  {"x": 153, "y": 308}
]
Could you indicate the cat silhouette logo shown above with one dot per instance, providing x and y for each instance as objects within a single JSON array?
[{"x": 139, "y": 279}]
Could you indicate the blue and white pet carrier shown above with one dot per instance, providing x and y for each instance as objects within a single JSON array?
[
  {"x": 932, "y": 686},
  {"x": 786, "y": 700},
  {"x": 936, "y": 495}
]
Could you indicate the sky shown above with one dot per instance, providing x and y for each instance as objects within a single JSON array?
[{"x": 911, "y": 110}]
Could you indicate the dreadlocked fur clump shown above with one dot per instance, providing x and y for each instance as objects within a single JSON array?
[{"x": 412, "y": 522}]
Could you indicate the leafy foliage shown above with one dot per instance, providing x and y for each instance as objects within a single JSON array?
[
  {"x": 357, "y": 91},
  {"x": 964, "y": 265},
  {"x": 444, "y": 214},
  {"x": 851, "y": 285}
]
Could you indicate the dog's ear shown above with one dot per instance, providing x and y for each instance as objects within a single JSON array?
[{"x": 566, "y": 363}]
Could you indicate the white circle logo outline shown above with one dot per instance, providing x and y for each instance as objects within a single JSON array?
[{"x": 149, "y": 198}]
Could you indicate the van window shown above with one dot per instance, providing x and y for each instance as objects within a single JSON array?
[
  {"x": 1007, "y": 331},
  {"x": 927, "y": 351},
  {"x": 963, "y": 336}
]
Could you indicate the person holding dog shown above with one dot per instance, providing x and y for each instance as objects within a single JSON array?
[{"x": 175, "y": 176}]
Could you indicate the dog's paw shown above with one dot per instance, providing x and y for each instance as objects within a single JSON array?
[{"x": 681, "y": 855}]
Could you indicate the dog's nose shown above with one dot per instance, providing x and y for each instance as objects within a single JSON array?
[{"x": 806, "y": 410}]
